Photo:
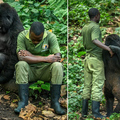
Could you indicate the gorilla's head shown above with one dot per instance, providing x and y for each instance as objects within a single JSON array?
[{"x": 7, "y": 16}]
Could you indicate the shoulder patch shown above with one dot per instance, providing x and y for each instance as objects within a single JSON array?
[{"x": 45, "y": 46}]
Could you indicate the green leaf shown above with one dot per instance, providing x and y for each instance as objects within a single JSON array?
[
  {"x": 36, "y": 4},
  {"x": 40, "y": 82},
  {"x": 81, "y": 53},
  {"x": 112, "y": 1},
  {"x": 26, "y": 10},
  {"x": 46, "y": 86},
  {"x": 34, "y": 10},
  {"x": 48, "y": 12}
]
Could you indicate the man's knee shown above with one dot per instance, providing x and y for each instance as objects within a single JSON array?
[
  {"x": 57, "y": 65},
  {"x": 57, "y": 73},
  {"x": 21, "y": 64},
  {"x": 21, "y": 72}
]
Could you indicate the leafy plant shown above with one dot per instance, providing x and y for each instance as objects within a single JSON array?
[{"x": 38, "y": 86}]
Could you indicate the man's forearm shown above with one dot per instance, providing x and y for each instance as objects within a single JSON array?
[
  {"x": 33, "y": 59},
  {"x": 24, "y": 55},
  {"x": 101, "y": 45}
]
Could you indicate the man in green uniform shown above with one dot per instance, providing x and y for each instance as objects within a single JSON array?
[
  {"x": 93, "y": 64},
  {"x": 39, "y": 59}
]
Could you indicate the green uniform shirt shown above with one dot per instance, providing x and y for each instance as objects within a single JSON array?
[
  {"x": 47, "y": 46},
  {"x": 90, "y": 32}
]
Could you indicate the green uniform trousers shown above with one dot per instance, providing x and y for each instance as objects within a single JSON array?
[
  {"x": 26, "y": 73},
  {"x": 93, "y": 78}
]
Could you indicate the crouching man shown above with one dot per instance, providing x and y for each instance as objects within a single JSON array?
[{"x": 39, "y": 59}]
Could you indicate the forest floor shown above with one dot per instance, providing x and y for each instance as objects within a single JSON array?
[{"x": 37, "y": 109}]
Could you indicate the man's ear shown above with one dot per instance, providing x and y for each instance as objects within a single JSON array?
[{"x": 96, "y": 16}]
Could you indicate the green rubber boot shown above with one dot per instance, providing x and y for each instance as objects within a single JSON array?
[
  {"x": 23, "y": 95},
  {"x": 55, "y": 95}
]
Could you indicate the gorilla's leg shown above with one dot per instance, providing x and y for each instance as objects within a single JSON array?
[
  {"x": 3, "y": 59},
  {"x": 116, "y": 92},
  {"x": 7, "y": 74},
  {"x": 117, "y": 109},
  {"x": 109, "y": 101}
]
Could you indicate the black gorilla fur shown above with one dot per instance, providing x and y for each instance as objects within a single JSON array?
[
  {"x": 10, "y": 27},
  {"x": 112, "y": 74}
]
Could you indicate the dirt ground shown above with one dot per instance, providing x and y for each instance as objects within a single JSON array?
[{"x": 38, "y": 109}]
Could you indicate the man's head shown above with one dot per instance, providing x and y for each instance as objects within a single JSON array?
[
  {"x": 94, "y": 14},
  {"x": 36, "y": 32}
]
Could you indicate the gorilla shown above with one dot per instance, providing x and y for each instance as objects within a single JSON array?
[
  {"x": 112, "y": 73},
  {"x": 10, "y": 27}
]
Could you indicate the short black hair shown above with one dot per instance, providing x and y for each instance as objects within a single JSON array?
[
  {"x": 37, "y": 28},
  {"x": 93, "y": 12}
]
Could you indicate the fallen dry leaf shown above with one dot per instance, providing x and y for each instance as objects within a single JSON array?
[
  {"x": 63, "y": 90},
  {"x": 28, "y": 111},
  {"x": 1, "y": 101},
  {"x": 15, "y": 100},
  {"x": 41, "y": 116},
  {"x": 6, "y": 97},
  {"x": 74, "y": 38},
  {"x": 57, "y": 117},
  {"x": 48, "y": 113},
  {"x": 64, "y": 117},
  {"x": 13, "y": 105},
  {"x": 1, "y": 1},
  {"x": 62, "y": 59},
  {"x": 64, "y": 103},
  {"x": 109, "y": 30},
  {"x": 1, "y": 96},
  {"x": 36, "y": 118},
  {"x": 51, "y": 109}
]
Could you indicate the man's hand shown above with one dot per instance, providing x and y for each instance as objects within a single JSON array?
[
  {"x": 103, "y": 46},
  {"x": 24, "y": 53},
  {"x": 53, "y": 58},
  {"x": 111, "y": 52}
]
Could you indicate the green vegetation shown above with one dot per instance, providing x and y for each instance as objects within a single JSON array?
[
  {"x": 78, "y": 17},
  {"x": 53, "y": 14}
]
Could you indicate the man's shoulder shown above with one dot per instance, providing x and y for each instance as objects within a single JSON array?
[
  {"x": 24, "y": 32},
  {"x": 50, "y": 35},
  {"x": 94, "y": 24}
]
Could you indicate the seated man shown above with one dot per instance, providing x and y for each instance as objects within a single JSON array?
[{"x": 39, "y": 59}]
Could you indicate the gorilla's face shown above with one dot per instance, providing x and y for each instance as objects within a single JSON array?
[{"x": 6, "y": 18}]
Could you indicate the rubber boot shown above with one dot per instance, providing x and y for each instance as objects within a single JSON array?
[
  {"x": 55, "y": 95},
  {"x": 95, "y": 109},
  {"x": 23, "y": 95},
  {"x": 84, "y": 107}
]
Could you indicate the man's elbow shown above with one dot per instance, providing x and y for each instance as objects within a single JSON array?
[{"x": 94, "y": 41}]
